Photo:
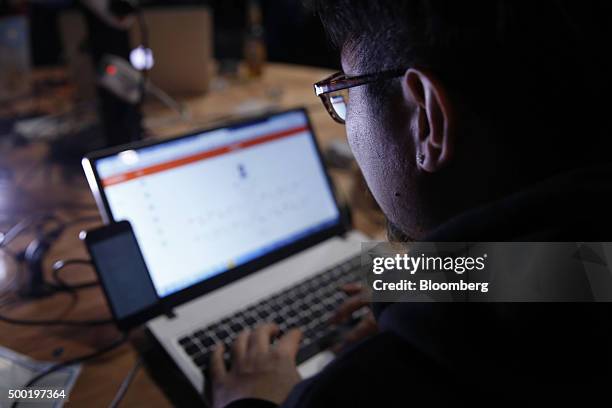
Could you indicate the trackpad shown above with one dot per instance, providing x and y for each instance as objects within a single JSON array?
[{"x": 315, "y": 364}]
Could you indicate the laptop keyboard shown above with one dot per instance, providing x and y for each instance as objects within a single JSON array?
[{"x": 308, "y": 305}]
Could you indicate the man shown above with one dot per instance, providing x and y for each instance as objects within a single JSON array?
[{"x": 471, "y": 121}]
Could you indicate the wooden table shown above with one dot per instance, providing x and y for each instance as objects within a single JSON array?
[{"x": 282, "y": 86}]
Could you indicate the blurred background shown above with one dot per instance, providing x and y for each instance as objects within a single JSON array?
[{"x": 63, "y": 46}]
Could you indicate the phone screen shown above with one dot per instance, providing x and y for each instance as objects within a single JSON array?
[{"x": 122, "y": 271}]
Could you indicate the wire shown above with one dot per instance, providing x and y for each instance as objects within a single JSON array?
[
  {"x": 58, "y": 266},
  {"x": 169, "y": 101},
  {"x": 76, "y": 360},
  {"x": 23, "y": 225},
  {"x": 8, "y": 301},
  {"x": 14, "y": 231},
  {"x": 126, "y": 383},
  {"x": 55, "y": 322},
  {"x": 39, "y": 221},
  {"x": 62, "y": 286},
  {"x": 52, "y": 322}
]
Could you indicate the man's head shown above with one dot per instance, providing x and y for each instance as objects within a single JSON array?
[{"x": 495, "y": 96}]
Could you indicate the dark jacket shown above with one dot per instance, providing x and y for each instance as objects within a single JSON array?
[{"x": 477, "y": 354}]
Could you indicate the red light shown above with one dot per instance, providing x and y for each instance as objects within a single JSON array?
[{"x": 111, "y": 70}]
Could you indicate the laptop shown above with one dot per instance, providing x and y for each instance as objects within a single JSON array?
[{"x": 237, "y": 225}]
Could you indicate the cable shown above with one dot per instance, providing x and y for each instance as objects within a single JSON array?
[
  {"x": 126, "y": 383},
  {"x": 62, "y": 286},
  {"x": 54, "y": 322},
  {"x": 17, "y": 229},
  {"x": 57, "y": 322},
  {"x": 14, "y": 231},
  {"x": 76, "y": 360},
  {"x": 8, "y": 301},
  {"x": 39, "y": 220},
  {"x": 58, "y": 266},
  {"x": 169, "y": 101}
]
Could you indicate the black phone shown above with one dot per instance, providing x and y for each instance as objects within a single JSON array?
[{"x": 123, "y": 274}]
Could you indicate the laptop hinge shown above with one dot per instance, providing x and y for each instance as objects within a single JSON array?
[{"x": 168, "y": 311}]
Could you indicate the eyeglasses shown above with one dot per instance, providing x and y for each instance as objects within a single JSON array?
[{"x": 333, "y": 90}]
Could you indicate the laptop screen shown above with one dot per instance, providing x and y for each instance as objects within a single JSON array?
[{"x": 204, "y": 204}]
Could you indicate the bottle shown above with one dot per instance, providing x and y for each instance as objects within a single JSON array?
[{"x": 255, "y": 52}]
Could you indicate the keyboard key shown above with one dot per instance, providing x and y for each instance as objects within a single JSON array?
[
  {"x": 229, "y": 340},
  {"x": 303, "y": 321},
  {"x": 192, "y": 349},
  {"x": 311, "y": 334},
  {"x": 312, "y": 324},
  {"x": 249, "y": 311},
  {"x": 236, "y": 327},
  {"x": 201, "y": 359},
  {"x": 222, "y": 334},
  {"x": 185, "y": 340},
  {"x": 207, "y": 342}
]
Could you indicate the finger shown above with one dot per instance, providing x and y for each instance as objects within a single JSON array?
[
  {"x": 261, "y": 338},
  {"x": 217, "y": 365},
  {"x": 346, "y": 309},
  {"x": 289, "y": 344},
  {"x": 239, "y": 348},
  {"x": 352, "y": 288},
  {"x": 364, "y": 328}
]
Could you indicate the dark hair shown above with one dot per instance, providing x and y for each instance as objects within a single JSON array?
[{"x": 546, "y": 56}]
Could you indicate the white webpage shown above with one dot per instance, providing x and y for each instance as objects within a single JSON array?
[{"x": 197, "y": 213}]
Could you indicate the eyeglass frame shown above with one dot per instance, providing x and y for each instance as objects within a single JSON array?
[{"x": 339, "y": 81}]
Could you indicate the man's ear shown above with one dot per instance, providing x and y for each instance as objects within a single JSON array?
[{"x": 434, "y": 125}]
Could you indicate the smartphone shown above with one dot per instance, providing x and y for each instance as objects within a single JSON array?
[{"x": 123, "y": 274}]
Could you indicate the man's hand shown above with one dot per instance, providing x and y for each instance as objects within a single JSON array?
[
  {"x": 358, "y": 298},
  {"x": 259, "y": 369}
]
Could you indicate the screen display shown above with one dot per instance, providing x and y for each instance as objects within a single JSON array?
[
  {"x": 206, "y": 203},
  {"x": 123, "y": 274}
]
